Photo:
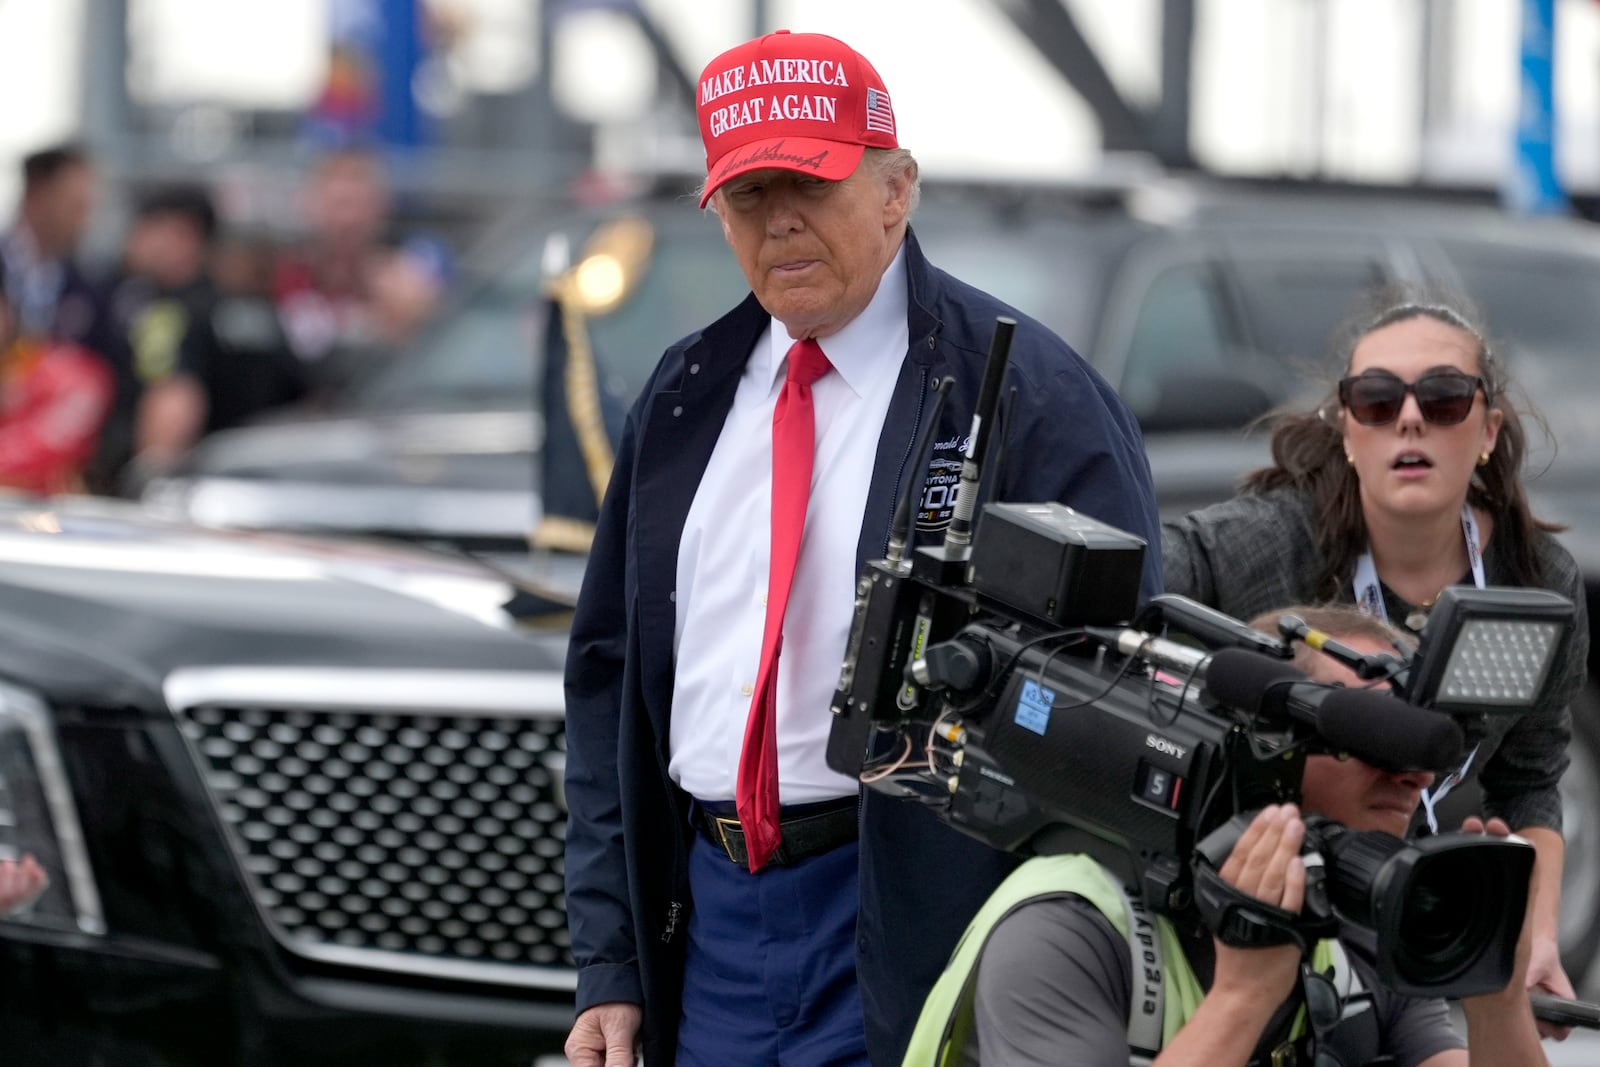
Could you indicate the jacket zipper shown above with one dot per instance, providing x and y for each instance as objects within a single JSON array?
[{"x": 894, "y": 497}]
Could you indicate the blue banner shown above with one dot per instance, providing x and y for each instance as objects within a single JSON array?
[
  {"x": 1533, "y": 187},
  {"x": 375, "y": 50}
]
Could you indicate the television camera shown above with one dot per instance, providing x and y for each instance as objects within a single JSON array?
[{"x": 1008, "y": 679}]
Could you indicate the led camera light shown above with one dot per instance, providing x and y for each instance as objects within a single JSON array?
[
  {"x": 1489, "y": 650},
  {"x": 1499, "y": 662}
]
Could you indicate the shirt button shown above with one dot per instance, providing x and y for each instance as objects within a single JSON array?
[
  {"x": 763, "y": 599},
  {"x": 746, "y": 690}
]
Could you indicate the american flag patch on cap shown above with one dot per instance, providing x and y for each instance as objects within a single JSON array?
[{"x": 880, "y": 116}]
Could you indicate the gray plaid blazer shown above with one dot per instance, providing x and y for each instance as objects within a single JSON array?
[{"x": 1258, "y": 552}]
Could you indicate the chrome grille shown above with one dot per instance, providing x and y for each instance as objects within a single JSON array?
[{"x": 428, "y": 842}]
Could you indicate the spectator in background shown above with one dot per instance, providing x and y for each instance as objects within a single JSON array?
[
  {"x": 21, "y": 882},
  {"x": 48, "y": 292},
  {"x": 251, "y": 367},
  {"x": 54, "y": 396},
  {"x": 189, "y": 358},
  {"x": 323, "y": 286},
  {"x": 350, "y": 290},
  {"x": 407, "y": 284}
]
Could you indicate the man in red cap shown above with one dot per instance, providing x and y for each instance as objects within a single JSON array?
[{"x": 732, "y": 899}]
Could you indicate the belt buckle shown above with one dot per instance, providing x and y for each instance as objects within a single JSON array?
[{"x": 723, "y": 825}]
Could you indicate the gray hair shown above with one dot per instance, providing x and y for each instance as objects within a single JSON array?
[{"x": 884, "y": 163}]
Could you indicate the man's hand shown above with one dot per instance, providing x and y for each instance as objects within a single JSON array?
[
  {"x": 1544, "y": 965},
  {"x": 1250, "y": 983},
  {"x": 1265, "y": 864},
  {"x": 1472, "y": 824},
  {"x": 606, "y": 1035},
  {"x": 1546, "y": 975},
  {"x": 1500, "y": 1026},
  {"x": 20, "y": 883}
]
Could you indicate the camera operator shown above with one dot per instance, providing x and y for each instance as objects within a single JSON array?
[{"x": 1054, "y": 978}]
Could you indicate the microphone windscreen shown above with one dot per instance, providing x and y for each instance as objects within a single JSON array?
[
  {"x": 1389, "y": 733},
  {"x": 1241, "y": 679}
]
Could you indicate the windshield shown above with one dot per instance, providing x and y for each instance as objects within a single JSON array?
[
  {"x": 1050, "y": 268},
  {"x": 487, "y": 350},
  {"x": 1546, "y": 305}
]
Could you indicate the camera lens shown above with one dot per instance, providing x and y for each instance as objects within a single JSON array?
[
  {"x": 1444, "y": 920},
  {"x": 1439, "y": 916}
]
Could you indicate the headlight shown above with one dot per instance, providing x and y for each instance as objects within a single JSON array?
[{"x": 38, "y": 817}]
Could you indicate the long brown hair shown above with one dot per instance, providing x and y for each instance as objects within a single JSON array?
[{"x": 1308, "y": 446}]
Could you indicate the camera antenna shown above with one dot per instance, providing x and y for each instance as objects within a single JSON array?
[
  {"x": 900, "y": 527},
  {"x": 960, "y": 533},
  {"x": 1001, "y": 425},
  {"x": 1366, "y": 665}
]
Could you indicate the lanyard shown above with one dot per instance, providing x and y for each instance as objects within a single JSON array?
[{"x": 1369, "y": 598}]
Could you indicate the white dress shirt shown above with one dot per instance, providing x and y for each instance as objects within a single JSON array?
[{"x": 726, "y": 546}]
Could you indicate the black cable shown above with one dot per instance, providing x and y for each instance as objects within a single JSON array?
[{"x": 988, "y": 694}]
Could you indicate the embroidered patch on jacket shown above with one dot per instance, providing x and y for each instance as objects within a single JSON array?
[{"x": 942, "y": 484}]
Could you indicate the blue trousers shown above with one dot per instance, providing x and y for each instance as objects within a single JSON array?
[{"x": 771, "y": 974}]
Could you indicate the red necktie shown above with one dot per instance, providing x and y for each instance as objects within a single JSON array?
[{"x": 793, "y": 445}]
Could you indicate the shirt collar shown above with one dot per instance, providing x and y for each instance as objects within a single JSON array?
[{"x": 867, "y": 346}]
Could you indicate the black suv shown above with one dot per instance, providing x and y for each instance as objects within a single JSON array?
[
  {"x": 1204, "y": 303},
  {"x": 298, "y": 802}
]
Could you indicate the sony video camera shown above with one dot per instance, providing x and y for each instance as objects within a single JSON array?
[{"x": 1005, "y": 679}]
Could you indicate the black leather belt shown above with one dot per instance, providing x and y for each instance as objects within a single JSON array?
[{"x": 808, "y": 830}]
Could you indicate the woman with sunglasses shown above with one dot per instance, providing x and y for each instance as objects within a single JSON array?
[{"x": 1408, "y": 480}]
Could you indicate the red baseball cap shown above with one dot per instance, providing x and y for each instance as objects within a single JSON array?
[{"x": 804, "y": 102}]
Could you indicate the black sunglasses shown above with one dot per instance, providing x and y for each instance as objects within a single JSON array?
[
  {"x": 1445, "y": 397},
  {"x": 1324, "y": 1009}
]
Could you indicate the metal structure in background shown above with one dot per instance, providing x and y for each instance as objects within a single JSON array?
[
  {"x": 1163, "y": 132},
  {"x": 516, "y": 150},
  {"x": 501, "y": 153}
]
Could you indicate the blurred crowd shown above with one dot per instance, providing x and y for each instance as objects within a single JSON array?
[{"x": 111, "y": 372}]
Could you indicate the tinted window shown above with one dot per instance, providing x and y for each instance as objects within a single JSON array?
[
  {"x": 1045, "y": 268},
  {"x": 486, "y": 350},
  {"x": 1546, "y": 306},
  {"x": 1180, "y": 326},
  {"x": 1294, "y": 305},
  {"x": 691, "y": 282},
  {"x": 480, "y": 351}
]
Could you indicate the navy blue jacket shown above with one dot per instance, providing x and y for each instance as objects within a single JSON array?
[{"x": 1069, "y": 439}]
